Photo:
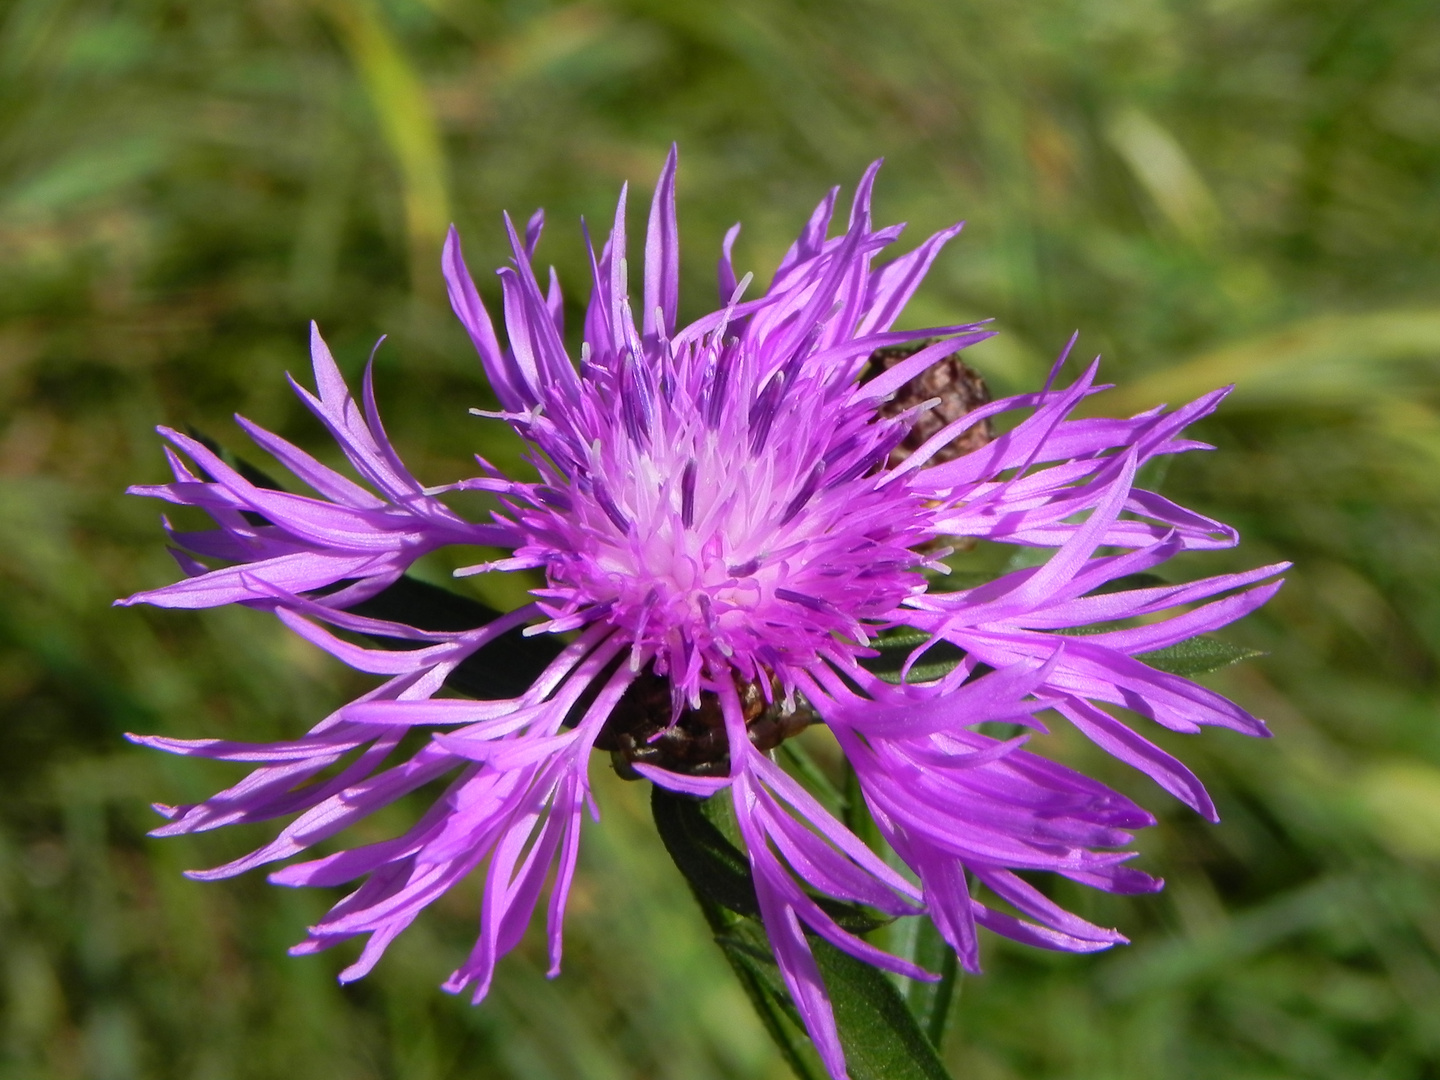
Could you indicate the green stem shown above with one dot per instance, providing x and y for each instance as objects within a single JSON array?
[{"x": 942, "y": 996}]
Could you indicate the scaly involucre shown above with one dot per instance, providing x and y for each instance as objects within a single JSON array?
[{"x": 718, "y": 507}]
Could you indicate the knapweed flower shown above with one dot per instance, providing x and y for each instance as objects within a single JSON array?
[{"x": 727, "y": 523}]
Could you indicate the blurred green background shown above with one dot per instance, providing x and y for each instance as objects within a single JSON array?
[{"x": 1210, "y": 190}]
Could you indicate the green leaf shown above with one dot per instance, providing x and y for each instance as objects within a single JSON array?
[
  {"x": 856, "y": 815},
  {"x": 504, "y": 668},
  {"x": 882, "y": 1041},
  {"x": 714, "y": 867},
  {"x": 881, "y": 1037},
  {"x": 937, "y": 662},
  {"x": 742, "y": 940},
  {"x": 809, "y": 770},
  {"x": 959, "y": 580},
  {"x": 1197, "y": 656},
  {"x": 720, "y": 871},
  {"x": 747, "y": 950}
]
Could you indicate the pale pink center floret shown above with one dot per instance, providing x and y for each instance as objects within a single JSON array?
[
  {"x": 714, "y": 491},
  {"x": 739, "y": 536}
]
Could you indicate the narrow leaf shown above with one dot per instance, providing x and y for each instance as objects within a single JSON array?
[
  {"x": 809, "y": 770},
  {"x": 505, "y": 668},
  {"x": 959, "y": 580},
  {"x": 937, "y": 661},
  {"x": 747, "y": 950},
  {"x": 881, "y": 1038},
  {"x": 857, "y": 813},
  {"x": 714, "y": 867},
  {"x": 1197, "y": 656},
  {"x": 882, "y": 1041},
  {"x": 720, "y": 871}
]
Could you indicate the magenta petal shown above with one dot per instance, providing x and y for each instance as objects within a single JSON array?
[
  {"x": 714, "y": 511},
  {"x": 1119, "y": 740},
  {"x": 701, "y": 787},
  {"x": 470, "y": 310},
  {"x": 662, "y": 256}
]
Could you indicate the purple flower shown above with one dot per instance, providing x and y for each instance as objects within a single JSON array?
[{"x": 721, "y": 516}]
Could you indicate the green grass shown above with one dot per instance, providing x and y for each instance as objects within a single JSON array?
[{"x": 1236, "y": 190}]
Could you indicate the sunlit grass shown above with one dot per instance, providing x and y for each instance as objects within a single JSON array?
[{"x": 1230, "y": 191}]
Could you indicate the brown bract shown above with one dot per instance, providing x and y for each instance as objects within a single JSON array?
[
  {"x": 640, "y": 731},
  {"x": 959, "y": 388}
]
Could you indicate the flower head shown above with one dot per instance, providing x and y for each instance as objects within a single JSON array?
[{"x": 729, "y": 517}]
